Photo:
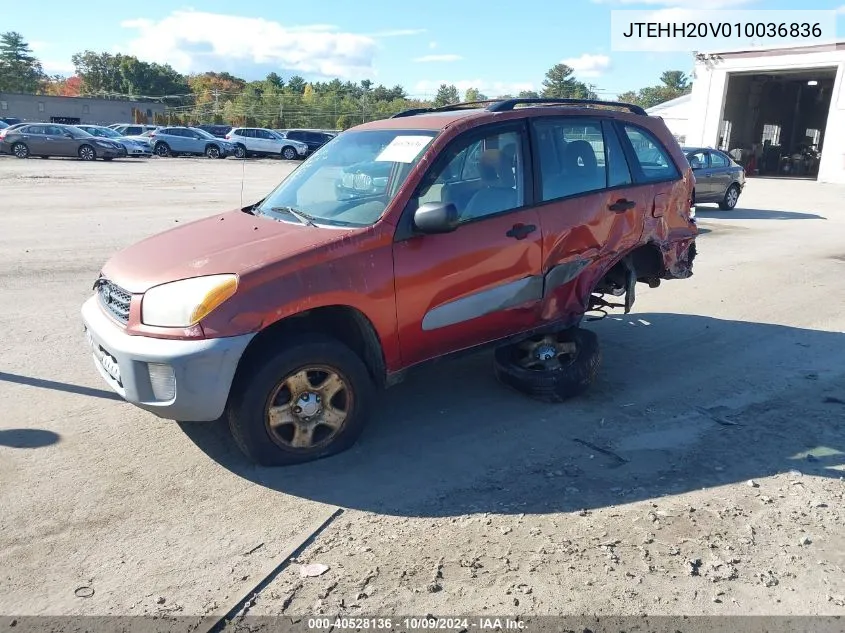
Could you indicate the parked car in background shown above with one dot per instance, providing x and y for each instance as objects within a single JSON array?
[
  {"x": 3, "y": 125},
  {"x": 54, "y": 139},
  {"x": 132, "y": 129},
  {"x": 259, "y": 141},
  {"x": 172, "y": 141},
  {"x": 220, "y": 131},
  {"x": 10, "y": 120},
  {"x": 135, "y": 147},
  {"x": 314, "y": 139},
  {"x": 718, "y": 178},
  {"x": 7, "y": 129}
]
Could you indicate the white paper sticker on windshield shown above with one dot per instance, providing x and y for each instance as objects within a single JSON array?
[{"x": 403, "y": 149}]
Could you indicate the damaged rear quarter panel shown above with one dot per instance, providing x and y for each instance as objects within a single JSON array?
[{"x": 581, "y": 240}]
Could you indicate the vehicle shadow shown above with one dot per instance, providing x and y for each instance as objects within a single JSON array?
[
  {"x": 676, "y": 409},
  {"x": 27, "y": 438},
  {"x": 67, "y": 387},
  {"x": 739, "y": 213}
]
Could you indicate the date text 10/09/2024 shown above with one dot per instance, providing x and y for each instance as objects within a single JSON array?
[
  {"x": 417, "y": 624},
  {"x": 722, "y": 29}
]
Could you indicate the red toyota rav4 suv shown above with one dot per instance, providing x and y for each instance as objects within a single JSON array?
[{"x": 400, "y": 241}]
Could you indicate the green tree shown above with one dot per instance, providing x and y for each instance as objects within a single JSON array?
[
  {"x": 560, "y": 84},
  {"x": 296, "y": 85},
  {"x": 446, "y": 95},
  {"x": 673, "y": 84},
  {"x": 473, "y": 94},
  {"x": 528, "y": 94},
  {"x": 20, "y": 70}
]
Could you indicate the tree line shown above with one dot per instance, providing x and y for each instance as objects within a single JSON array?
[{"x": 220, "y": 97}]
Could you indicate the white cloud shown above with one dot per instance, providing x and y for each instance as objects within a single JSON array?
[
  {"x": 432, "y": 44},
  {"x": 428, "y": 87},
  {"x": 58, "y": 67},
  {"x": 588, "y": 65},
  {"x": 841, "y": 10},
  {"x": 196, "y": 41},
  {"x": 438, "y": 58}
]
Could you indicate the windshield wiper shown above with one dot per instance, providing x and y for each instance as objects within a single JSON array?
[{"x": 299, "y": 215}]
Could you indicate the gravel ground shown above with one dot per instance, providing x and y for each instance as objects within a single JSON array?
[{"x": 701, "y": 475}]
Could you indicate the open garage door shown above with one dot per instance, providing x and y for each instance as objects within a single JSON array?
[{"x": 774, "y": 123}]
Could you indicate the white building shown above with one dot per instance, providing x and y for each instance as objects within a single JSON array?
[
  {"x": 777, "y": 99},
  {"x": 675, "y": 113}
]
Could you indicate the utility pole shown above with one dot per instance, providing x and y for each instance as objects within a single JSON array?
[{"x": 216, "y": 94}]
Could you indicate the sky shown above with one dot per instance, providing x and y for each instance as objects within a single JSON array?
[{"x": 497, "y": 47}]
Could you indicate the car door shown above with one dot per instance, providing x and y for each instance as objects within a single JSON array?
[
  {"x": 263, "y": 141},
  {"x": 699, "y": 160},
  {"x": 721, "y": 172},
  {"x": 60, "y": 143},
  {"x": 34, "y": 137},
  {"x": 589, "y": 209},
  {"x": 179, "y": 139},
  {"x": 481, "y": 281},
  {"x": 197, "y": 141}
]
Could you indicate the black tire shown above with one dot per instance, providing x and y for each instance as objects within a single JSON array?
[
  {"x": 247, "y": 409},
  {"x": 20, "y": 150},
  {"x": 561, "y": 377},
  {"x": 731, "y": 198},
  {"x": 86, "y": 152},
  {"x": 161, "y": 149},
  {"x": 212, "y": 151},
  {"x": 240, "y": 151},
  {"x": 288, "y": 153}
]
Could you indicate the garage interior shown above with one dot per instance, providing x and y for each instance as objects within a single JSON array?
[{"x": 774, "y": 123}]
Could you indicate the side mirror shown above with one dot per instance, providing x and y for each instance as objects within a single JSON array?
[
  {"x": 436, "y": 217},
  {"x": 68, "y": 135}
]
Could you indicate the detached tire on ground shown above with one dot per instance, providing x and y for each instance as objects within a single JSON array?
[
  {"x": 552, "y": 367},
  {"x": 310, "y": 400}
]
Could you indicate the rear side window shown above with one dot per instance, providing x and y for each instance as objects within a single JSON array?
[
  {"x": 717, "y": 160},
  {"x": 653, "y": 159},
  {"x": 571, "y": 156}
]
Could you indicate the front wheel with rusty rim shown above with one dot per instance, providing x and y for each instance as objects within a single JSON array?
[
  {"x": 550, "y": 367},
  {"x": 309, "y": 401}
]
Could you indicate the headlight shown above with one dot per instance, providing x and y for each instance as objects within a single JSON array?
[
  {"x": 185, "y": 303},
  {"x": 104, "y": 144}
]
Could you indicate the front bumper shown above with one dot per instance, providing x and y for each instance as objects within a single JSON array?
[
  {"x": 138, "y": 150},
  {"x": 202, "y": 370},
  {"x": 110, "y": 152}
]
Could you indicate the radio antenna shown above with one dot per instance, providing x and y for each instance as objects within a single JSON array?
[{"x": 243, "y": 175}]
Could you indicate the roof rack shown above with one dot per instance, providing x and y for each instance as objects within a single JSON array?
[
  {"x": 447, "y": 108},
  {"x": 505, "y": 105},
  {"x": 509, "y": 104}
]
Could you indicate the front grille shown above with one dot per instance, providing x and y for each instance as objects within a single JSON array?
[{"x": 114, "y": 299}]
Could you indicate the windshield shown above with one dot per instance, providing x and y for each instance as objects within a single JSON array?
[
  {"x": 203, "y": 133},
  {"x": 101, "y": 131},
  {"x": 351, "y": 179},
  {"x": 77, "y": 132}
]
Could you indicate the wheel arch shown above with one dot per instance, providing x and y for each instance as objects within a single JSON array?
[{"x": 345, "y": 323}]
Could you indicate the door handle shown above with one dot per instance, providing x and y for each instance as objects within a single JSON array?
[
  {"x": 622, "y": 205},
  {"x": 521, "y": 231}
]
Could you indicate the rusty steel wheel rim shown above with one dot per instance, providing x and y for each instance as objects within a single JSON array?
[
  {"x": 545, "y": 353},
  {"x": 308, "y": 408}
]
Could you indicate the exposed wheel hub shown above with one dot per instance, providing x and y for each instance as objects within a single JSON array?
[
  {"x": 308, "y": 405},
  {"x": 546, "y": 351}
]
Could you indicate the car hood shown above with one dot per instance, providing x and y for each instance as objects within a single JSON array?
[{"x": 233, "y": 242}]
